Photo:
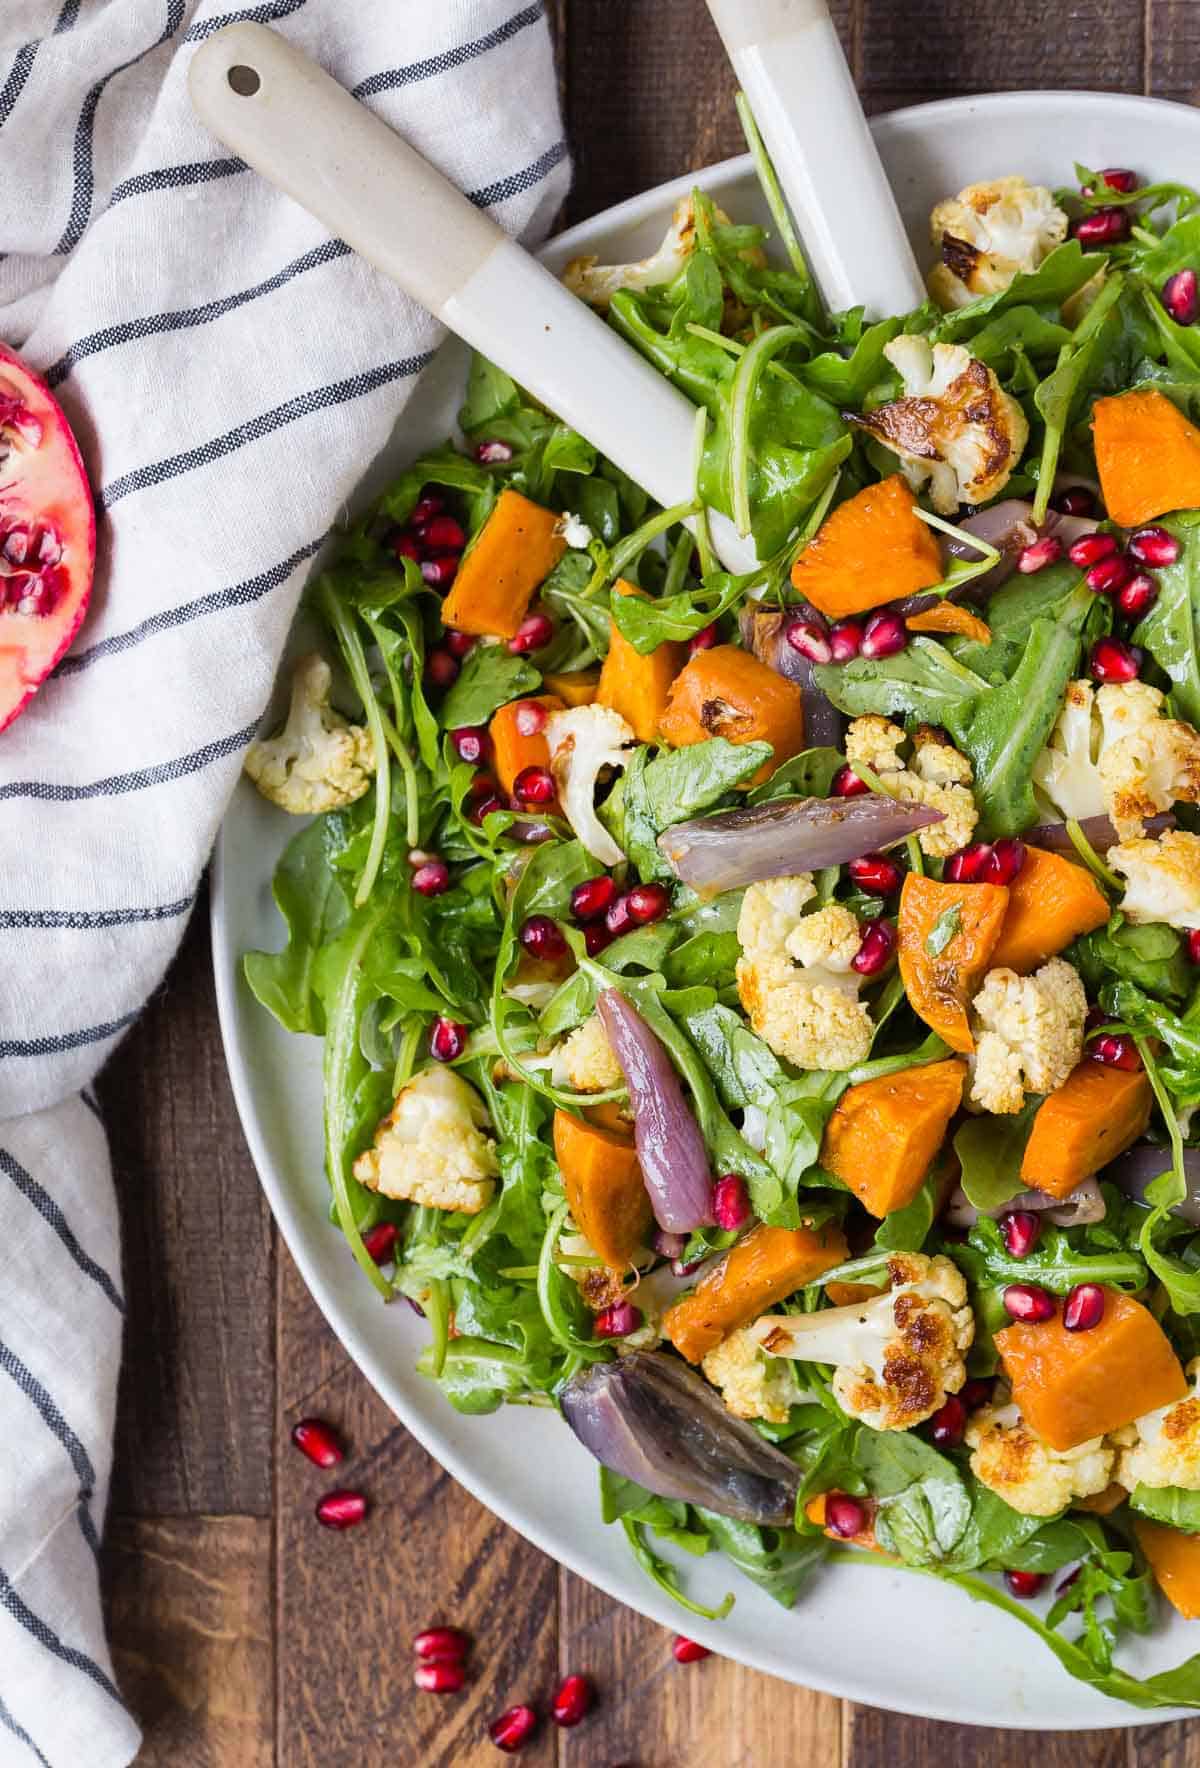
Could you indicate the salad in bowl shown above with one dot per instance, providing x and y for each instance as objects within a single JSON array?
[{"x": 761, "y": 1014}]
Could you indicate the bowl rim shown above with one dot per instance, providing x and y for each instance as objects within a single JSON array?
[{"x": 649, "y": 1603}]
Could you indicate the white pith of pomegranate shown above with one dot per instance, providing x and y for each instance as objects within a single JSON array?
[{"x": 47, "y": 535}]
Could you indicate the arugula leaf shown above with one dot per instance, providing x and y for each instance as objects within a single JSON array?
[
  {"x": 1170, "y": 630},
  {"x": 779, "y": 1561},
  {"x": 745, "y": 1069},
  {"x": 846, "y": 380},
  {"x": 648, "y": 622},
  {"x": 1060, "y": 395},
  {"x": 678, "y": 784},
  {"x": 990, "y": 1151},
  {"x": 924, "y": 1507},
  {"x": 924, "y": 682},
  {"x": 1150, "y": 955},
  {"x": 946, "y": 928},
  {"x": 1057, "y": 1262},
  {"x": 807, "y": 775},
  {"x": 490, "y": 676},
  {"x": 1173, "y": 1505},
  {"x": 1057, "y": 278},
  {"x": 312, "y": 900},
  {"x": 905, "y": 1230}
]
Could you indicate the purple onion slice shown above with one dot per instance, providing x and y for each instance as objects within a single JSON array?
[
  {"x": 671, "y": 1151},
  {"x": 786, "y": 836},
  {"x": 1099, "y": 832},
  {"x": 1132, "y": 1171}
]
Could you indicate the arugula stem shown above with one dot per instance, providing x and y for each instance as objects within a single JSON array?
[
  {"x": 1090, "y": 857},
  {"x": 356, "y": 662},
  {"x": 741, "y": 398},
  {"x": 769, "y": 181}
]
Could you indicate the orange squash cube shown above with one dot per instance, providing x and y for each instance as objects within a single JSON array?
[{"x": 763, "y": 1268}]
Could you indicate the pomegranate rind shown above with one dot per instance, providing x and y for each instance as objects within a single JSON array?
[{"x": 49, "y": 485}]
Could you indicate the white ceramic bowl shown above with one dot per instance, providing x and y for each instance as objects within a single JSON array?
[{"x": 888, "y": 1638}]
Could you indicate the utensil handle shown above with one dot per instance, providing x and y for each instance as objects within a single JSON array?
[
  {"x": 306, "y": 134},
  {"x": 789, "y": 61}
]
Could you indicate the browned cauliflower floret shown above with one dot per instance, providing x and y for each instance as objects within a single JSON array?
[
  {"x": 585, "y": 1061},
  {"x": 1029, "y": 1034},
  {"x": 1026, "y": 1472},
  {"x": 753, "y": 1385},
  {"x": 955, "y": 430},
  {"x": 1162, "y": 1448},
  {"x": 584, "y": 741},
  {"x": 937, "y": 776},
  {"x": 1112, "y": 751},
  {"x": 898, "y": 1355},
  {"x": 989, "y": 233},
  {"x": 317, "y": 761},
  {"x": 1162, "y": 878},
  {"x": 431, "y": 1147},
  {"x": 795, "y": 978},
  {"x": 597, "y": 283}
]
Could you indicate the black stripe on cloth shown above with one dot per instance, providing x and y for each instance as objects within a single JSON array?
[
  {"x": 18, "y": 1731},
  {"x": 237, "y": 596},
  {"x": 56, "y": 1424},
  {"x": 516, "y": 182},
  {"x": 151, "y": 325},
  {"x": 175, "y": 177},
  {"x": 89, "y": 920},
  {"x": 20, "y": 71},
  {"x": 448, "y": 59},
  {"x": 54, "y": 792},
  {"x": 67, "y": 1040},
  {"x": 67, "y": 17},
  {"x": 51, "y": 1213},
  {"x": 256, "y": 15},
  {"x": 302, "y": 405},
  {"x": 34, "y": 1625},
  {"x": 81, "y": 199}
]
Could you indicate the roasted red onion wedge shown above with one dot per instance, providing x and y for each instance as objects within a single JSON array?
[
  {"x": 671, "y": 1151},
  {"x": 1132, "y": 1171},
  {"x": 651, "y": 1419},
  {"x": 1010, "y": 528},
  {"x": 786, "y": 836},
  {"x": 762, "y": 631},
  {"x": 1097, "y": 830}
]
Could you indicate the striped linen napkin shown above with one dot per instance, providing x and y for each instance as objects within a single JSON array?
[{"x": 229, "y": 370}]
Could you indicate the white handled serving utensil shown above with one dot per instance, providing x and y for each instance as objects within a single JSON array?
[
  {"x": 306, "y": 134},
  {"x": 788, "y": 59}
]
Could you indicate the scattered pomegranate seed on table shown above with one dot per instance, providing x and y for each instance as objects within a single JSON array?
[
  {"x": 1105, "y": 227},
  {"x": 845, "y": 640},
  {"x": 1113, "y": 660},
  {"x": 876, "y": 874},
  {"x": 704, "y": 640},
  {"x": 1083, "y": 1308},
  {"x": 731, "y": 1202},
  {"x": 318, "y": 1441},
  {"x": 647, "y": 903},
  {"x": 687, "y": 1651},
  {"x": 534, "y": 785},
  {"x": 1089, "y": 549},
  {"x": 431, "y": 879},
  {"x": 447, "y": 1040},
  {"x": 846, "y": 783},
  {"x": 590, "y": 899},
  {"x": 1181, "y": 297},
  {"x": 1076, "y": 500},
  {"x": 1029, "y": 1303},
  {"x": 441, "y": 1644},
  {"x": 948, "y": 1423},
  {"x": 513, "y": 1729},
  {"x": 875, "y": 952},
  {"x": 533, "y": 634},
  {"x": 380, "y": 1242},
  {"x": 808, "y": 636},
  {"x": 440, "y": 1678},
  {"x": 844, "y": 1515},
  {"x": 1138, "y": 596},
  {"x": 441, "y": 669},
  {"x": 1025, "y": 1584},
  {"x": 618, "y": 1321},
  {"x": 884, "y": 635},
  {"x": 1019, "y": 1230},
  {"x": 573, "y": 1701},
  {"x": 1040, "y": 553},
  {"x": 542, "y": 937},
  {"x": 1109, "y": 574},
  {"x": 530, "y": 718},
  {"x": 342, "y": 1509}
]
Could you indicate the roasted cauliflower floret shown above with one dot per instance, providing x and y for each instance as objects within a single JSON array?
[
  {"x": 955, "y": 429},
  {"x": 1026, "y": 1472},
  {"x": 1162, "y": 1448},
  {"x": 583, "y": 741},
  {"x": 318, "y": 761},
  {"x": 585, "y": 1061},
  {"x": 597, "y": 283},
  {"x": 1162, "y": 878},
  {"x": 431, "y": 1147},
  {"x": 1065, "y": 772},
  {"x": 753, "y": 1385},
  {"x": 1113, "y": 753},
  {"x": 937, "y": 776},
  {"x": 896, "y": 1356},
  {"x": 987, "y": 234},
  {"x": 1028, "y": 1034},
  {"x": 795, "y": 978}
]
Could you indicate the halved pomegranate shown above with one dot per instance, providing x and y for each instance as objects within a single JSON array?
[{"x": 47, "y": 535}]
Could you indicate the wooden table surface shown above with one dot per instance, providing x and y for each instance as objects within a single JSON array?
[{"x": 244, "y": 1635}]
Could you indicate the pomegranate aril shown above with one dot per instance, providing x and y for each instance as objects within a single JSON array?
[
  {"x": 1028, "y": 1302},
  {"x": 1040, "y": 553},
  {"x": 542, "y": 937},
  {"x": 884, "y": 635},
  {"x": 875, "y": 952},
  {"x": 1025, "y": 1584},
  {"x": 530, "y": 718},
  {"x": 704, "y": 640},
  {"x": 459, "y": 644},
  {"x": 428, "y": 505},
  {"x": 447, "y": 1677},
  {"x": 977, "y": 1392},
  {"x": 617, "y": 1321},
  {"x": 485, "y": 806},
  {"x": 441, "y": 1644},
  {"x": 1138, "y": 596},
  {"x": 590, "y": 899},
  {"x": 431, "y": 879},
  {"x": 1105, "y": 227},
  {"x": 1181, "y": 297},
  {"x": 1109, "y": 574},
  {"x": 1193, "y": 945},
  {"x": 845, "y": 640},
  {"x": 1005, "y": 861},
  {"x": 1114, "y": 1051},
  {"x": 494, "y": 453},
  {"x": 319, "y": 1441},
  {"x": 1083, "y": 1308},
  {"x": 443, "y": 535},
  {"x": 573, "y": 1701},
  {"x": 1076, "y": 500},
  {"x": 876, "y": 874},
  {"x": 1113, "y": 660},
  {"x": 1119, "y": 178},
  {"x": 513, "y": 1729},
  {"x": 647, "y": 903},
  {"x": 617, "y": 917},
  {"x": 441, "y": 669},
  {"x": 809, "y": 637},
  {"x": 534, "y": 632},
  {"x": 687, "y": 1651},
  {"x": 342, "y": 1509},
  {"x": 405, "y": 547},
  {"x": 1065, "y": 1583},
  {"x": 1019, "y": 1230},
  {"x": 731, "y": 1202},
  {"x": 440, "y": 571},
  {"x": 470, "y": 742},
  {"x": 596, "y": 937},
  {"x": 380, "y": 1242},
  {"x": 969, "y": 865},
  {"x": 47, "y": 548},
  {"x": 846, "y": 783},
  {"x": 1154, "y": 547},
  {"x": 844, "y": 1515},
  {"x": 447, "y": 1040},
  {"x": 669, "y": 1245},
  {"x": 534, "y": 785},
  {"x": 948, "y": 1423},
  {"x": 1089, "y": 549}
]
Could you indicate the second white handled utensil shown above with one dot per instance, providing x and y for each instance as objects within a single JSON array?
[
  {"x": 306, "y": 134},
  {"x": 789, "y": 61}
]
